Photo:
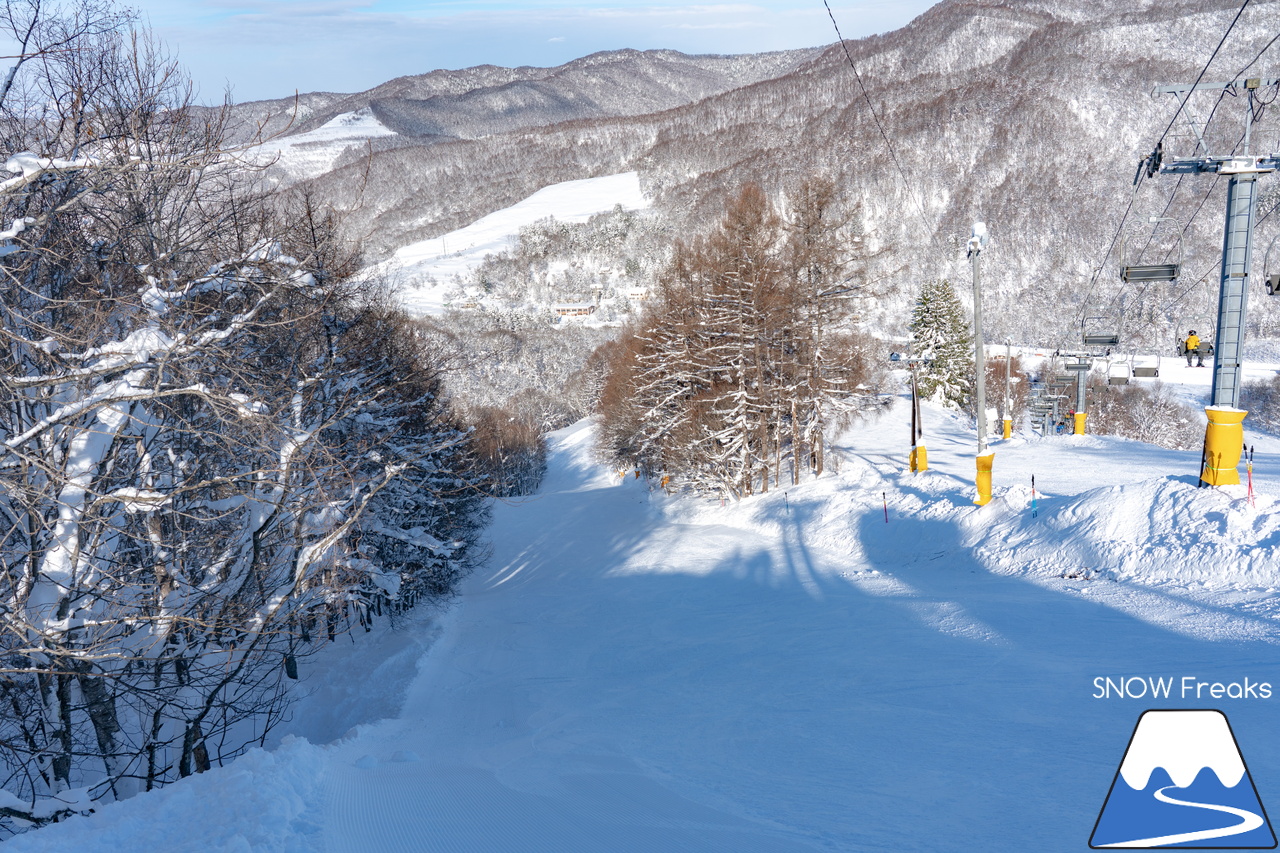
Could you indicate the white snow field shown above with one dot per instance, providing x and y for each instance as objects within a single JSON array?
[
  {"x": 425, "y": 271},
  {"x": 316, "y": 151},
  {"x": 635, "y": 673}
]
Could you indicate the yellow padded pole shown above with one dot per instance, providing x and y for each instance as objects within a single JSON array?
[
  {"x": 1223, "y": 441},
  {"x": 919, "y": 458},
  {"x": 985, "y": 462},
  {"x": 1008, "y": 429},
  {"x": 1080, "y": 416}
]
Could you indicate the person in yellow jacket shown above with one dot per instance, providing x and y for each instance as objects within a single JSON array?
[{"x": 1192, "y": 347}]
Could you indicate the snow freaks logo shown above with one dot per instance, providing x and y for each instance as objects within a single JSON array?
[{"x": 1183, "y": 783}]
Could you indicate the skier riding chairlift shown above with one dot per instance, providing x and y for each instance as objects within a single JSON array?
[{"x": 1191, "y": 346}]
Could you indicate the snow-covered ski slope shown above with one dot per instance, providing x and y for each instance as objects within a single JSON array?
[
  {"x": 634, "y": 673},
  {"x": 426, "y": 271},
  {"x": 317, "y": 151}
]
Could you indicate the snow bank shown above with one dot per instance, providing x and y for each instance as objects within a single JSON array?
[
  {"x": 1155, "y": 530},
  {"x": 262, "y": 803}
]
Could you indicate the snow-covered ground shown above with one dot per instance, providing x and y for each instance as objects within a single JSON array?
[
  {"x": 867, "y": 661},
  {"x": 316, "y": 151},
  {"x": 425, "y": 271}
]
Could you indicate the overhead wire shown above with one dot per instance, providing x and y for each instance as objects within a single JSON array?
[
  {"x": 930, "y": 227},
  {"x": 1204, "y": 70},
  {"x": 1217, "y": 178},
  {"x": 1212, "y": 112},
  {"x": 1138, "y": 179}
]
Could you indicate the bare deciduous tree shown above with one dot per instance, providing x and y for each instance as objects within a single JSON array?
[
  {"x": 747, "y": 354},
  {"x": 216, "y": 446}
]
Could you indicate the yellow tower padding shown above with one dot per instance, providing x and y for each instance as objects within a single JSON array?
[
  {"x": 1080, "y": 416},
  {"x": 985, "y": 461},
  {"x": 1223, "y": 441},
  {"x": 919, "y": 458},
  {"x": 1008, "y": 429}
]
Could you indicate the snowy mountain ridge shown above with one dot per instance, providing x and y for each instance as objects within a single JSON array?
[{"x": 1031, "y": 116}]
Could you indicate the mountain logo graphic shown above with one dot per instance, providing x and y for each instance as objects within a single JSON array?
[{"x": 1182, "y": 783}]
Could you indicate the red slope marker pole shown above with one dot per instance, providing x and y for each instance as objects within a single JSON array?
[
  {"x": 1249, "y": 468},
  {"x": 1034, "y": 511}
]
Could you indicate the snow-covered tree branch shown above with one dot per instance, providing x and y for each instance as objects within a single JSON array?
[{"x": 219, "y": 448}]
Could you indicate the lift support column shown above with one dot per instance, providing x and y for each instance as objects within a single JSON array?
[{"x": 1224, "y": 435}]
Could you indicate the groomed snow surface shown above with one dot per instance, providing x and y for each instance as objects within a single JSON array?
[
  {"x": 317, "y": 151},
  {"x": 426, "y": 271},
  {"x": 632, "y": 672}
]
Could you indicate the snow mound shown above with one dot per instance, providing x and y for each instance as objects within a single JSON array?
[
  {"x": 1154, "y": 530},
  {"x": 276, "y": 818}
]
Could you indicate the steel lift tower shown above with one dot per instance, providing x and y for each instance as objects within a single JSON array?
[{"x": 1242, "y": 171}]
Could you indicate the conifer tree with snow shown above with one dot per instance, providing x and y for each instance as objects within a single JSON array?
[{"x": 940, "y": 334}]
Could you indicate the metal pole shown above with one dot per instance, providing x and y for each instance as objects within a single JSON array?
[
  {"x": 1008, "y": 368},
  {"x": 1233, "y": 295},
  {"x": 915, "y": 408},
  {"x": 979, "y": 360}
]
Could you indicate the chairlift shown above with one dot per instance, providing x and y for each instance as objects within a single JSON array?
[
  {"x": 1132, "y": 270},
  {"x": 1146, "y": 370},
  {"x": 1100, "y": 331},
  {"x": 1119, "y": 370},
  {"x": 1272, "y": 279},
  {"x": 1203, "y": 326}
]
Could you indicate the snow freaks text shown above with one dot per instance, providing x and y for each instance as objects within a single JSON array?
[{"x": 1185, "y": 687}]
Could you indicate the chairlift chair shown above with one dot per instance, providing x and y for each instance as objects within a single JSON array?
[
  {"x": 1100, "y": 331},
  {"x": 1146, "y": 370},
  {"x": 1270, "y": 278},
  {"x": 1205, "y": 329},
  {"x": 1131, "y": 270},
  {"x": 1119, "y": 370}
]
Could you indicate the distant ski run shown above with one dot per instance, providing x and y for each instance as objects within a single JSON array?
[{"x": 1250, "y": 821}]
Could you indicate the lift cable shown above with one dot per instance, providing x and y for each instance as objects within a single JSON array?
[
  {"x": 930, "y": 227},
  {"x": 1138, "y": 178},
  {"x": 1221, "y": 95},
  {"x": 1204, "y": 71}
]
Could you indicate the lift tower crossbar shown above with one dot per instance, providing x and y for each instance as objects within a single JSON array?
[{"x": 1237, "y": 242}]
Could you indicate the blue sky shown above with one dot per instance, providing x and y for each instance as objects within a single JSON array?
[{"x": 269, "y": 48}]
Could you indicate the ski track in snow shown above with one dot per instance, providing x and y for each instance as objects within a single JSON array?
[{"x": 633, "y": 672}]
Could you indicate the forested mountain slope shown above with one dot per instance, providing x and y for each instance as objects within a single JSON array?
[
  {"x": 489, "y": 99},
  {"x": 1031, "y": 115}
]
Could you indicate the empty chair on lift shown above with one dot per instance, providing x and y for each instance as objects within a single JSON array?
[
  {"x": 1132, "y": 270},
  {"x": 1119, "y": 370},
  {"x": 1099, "y": 332},
  {"x": 1146, "y": 370}
]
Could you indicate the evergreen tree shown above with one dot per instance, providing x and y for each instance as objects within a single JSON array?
[{"x": 940, "y": 333}]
